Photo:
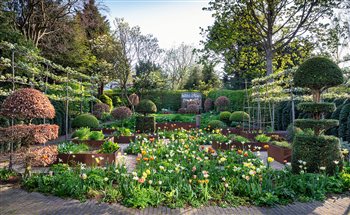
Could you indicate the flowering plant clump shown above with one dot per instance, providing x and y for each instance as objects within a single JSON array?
[
  {"x": 173, "y": 169},
  {"x": 192, "y": 109},
  {"x": 121, "y": 113},
  {"x": 100, "y": 109},
  {"x": 42, "y": 156}
]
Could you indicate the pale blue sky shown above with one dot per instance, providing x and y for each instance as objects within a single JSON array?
[{"x": 171, "y": 21}]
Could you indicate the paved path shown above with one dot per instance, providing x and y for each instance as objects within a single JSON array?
[{"x": 17, "y": 201}]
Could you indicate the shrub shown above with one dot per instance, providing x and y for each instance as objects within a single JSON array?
[
  {"x": 283, "y": 144},
  {"x": 146, "y": 106},
  {"x": 208, "y": 104},
  {"x": 222, "y": 103},
  {"x": 85, "y": 120},
  {"x": 343, "y": 125},
  {"x": 71, "y": 148},
  {"x": 100, "y": 109},
  {"x": 216, "y": 124},
  {"x": 192, "y": 109},
  {"x": 145, "y": 124},
  {"x": 106, "y": 100},
  {"x": 239, "y": 116},
  {"x": 4, "y": 122},
  {"x": 182, "y": 110},
  {"x": 262, "y": 138},
  {"x": 109, "y": 147},
  {"x": 82, "y": 133},
  {"x": 27, "y": 103},
  {"x": 292, "y": 131},
  {"x": 116, "y": 100},
  {"x": 121, "y": 113},
  {"x": 96, "y": 135},
  {"x": 225, "y": 116},
  {"x": 42, "y": 156},
  {"x": 316, "y": 151},
  {"x": 236, "y": 97}
]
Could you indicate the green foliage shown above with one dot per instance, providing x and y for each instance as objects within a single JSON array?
[
  {"x": 146, "y": 106},
  {"x": 216, "y": 124},
  {"x": 106, "y": 100},
  {"x": 109, "y": 147},
  {"x": 292, "y": 131},
  {"x": 122, "y": 132},
  {"x": 343, "y": 123},
  {"x": 318, "y": 73},
  {"x": 85, "y": 120},
  {"x": 238, "y": 138},
  {"x": 316, "y": 151},
  {"x": 262, "y": 138},
  {"x": 82, "y": 133},
  {"x": 313, "y": 107},
  {"x": 175, "y": 118},
  {"x": 239, "y": 116},
  {"x": 220, "y": 138},
  {"x": 96, "y": 135},
  {"x": 283, "y": 144},
  {"x": 145, "y": 124},
  {"x": 225, "y": 116},
  {"x": 4, "y": 122},
  {"x": 236, "y": 97},
  {"x": 323, "y": 124},
  {"x": 5, "y": 174},
  {"x": 71, "y": 148}
]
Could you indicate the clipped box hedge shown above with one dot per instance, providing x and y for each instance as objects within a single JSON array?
[
  {"x": 323, "y": 124},
  {"x": 313, "y": 107},
  {"x": 145, "y": 124}
]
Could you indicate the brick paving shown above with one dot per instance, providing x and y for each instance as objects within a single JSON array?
[{"x": 15, "y": 201}]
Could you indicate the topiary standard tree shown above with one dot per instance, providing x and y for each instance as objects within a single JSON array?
[
  {"x": 222, "y": 103},
  {"x": 122, "y": 113},
  {"x": 208, "y": 105},
  {"x": 134, "y": 101},
  {"x": 28, "y": 104},
  {"x": 100, "y": 109},
  {"x": 146, "y": 123},
  {"x": 316, "y": 149},
  {"x": 238, "y": 118}
]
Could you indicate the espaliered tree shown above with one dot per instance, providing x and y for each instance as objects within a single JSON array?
[
  {"x": 27, "y": 104},
  {"x": 320, "y": 152}
]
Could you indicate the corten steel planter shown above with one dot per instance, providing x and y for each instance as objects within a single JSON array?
[
  {"x": 124, "y": 139},
  {"x": 106, "y": 131},
  {"x": 93, "y": 143},
  {"x": 280, "y": 154},
  {"x": 90, "y": 159},
  {"x": 175, "y": 125}
]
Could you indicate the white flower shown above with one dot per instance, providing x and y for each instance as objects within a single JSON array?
[
  {"x": 134, "y": 173},
  {"x": 106, "y": 179},
  {"x": 150, "y": 181},
  {"x": 304, "y": 163},
  {"x": 160, "y": 182},
  {"x": 83, "y": 176},
  {"x": 135, "y": 178},
  {"x": 336, "y": 162},
  {"x": 226, "y": 185},
  {"x": 223, "y": 179},
  {"x": 322, "y": 168}
]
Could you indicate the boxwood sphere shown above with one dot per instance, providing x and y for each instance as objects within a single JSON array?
[
  {"x": 318, "y": 73},
  {"x": 85, "y": 120},
  {"x": 146, "y": 106}
]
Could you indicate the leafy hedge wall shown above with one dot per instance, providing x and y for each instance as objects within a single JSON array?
[{"x": 236, "y": 97}]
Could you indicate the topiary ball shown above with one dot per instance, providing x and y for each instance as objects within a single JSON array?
[
  {"x": 225, "y": 116},
  {"x": 192, "y": 109},
  {"x": 222, "y": 103},
  {"x": 27, "y": 103},
  {"x": 134, "y": 99},
  {"x": 208, "y": 104},
  {"x": 182, "y": 110},
  {"x": 318, "y": 73},
  {"x": 239, "y": 116},
  {"x": 85, "y": 120},
  {"x": 100, "y": 109},
  {"x": 146, "y": 106},
  {"x": 216, "y": 124},
  {"x": 121, "y": 113}
]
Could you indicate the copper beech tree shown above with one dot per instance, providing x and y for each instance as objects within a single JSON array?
[{"x": 27, "y": 104}]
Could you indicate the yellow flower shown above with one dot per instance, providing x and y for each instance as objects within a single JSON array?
[
  {"x": 148, "y": 172},
  {"x": 270, "y": 159}
]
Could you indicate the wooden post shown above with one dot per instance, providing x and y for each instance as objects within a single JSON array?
[{"x": 67, "y": 109}]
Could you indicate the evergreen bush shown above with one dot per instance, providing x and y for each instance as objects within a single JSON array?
[
  {"x": 85, "y": 120},
  {"x": 146, "y": 106}
]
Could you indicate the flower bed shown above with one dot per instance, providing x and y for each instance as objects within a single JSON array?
[
  {"x": 175, "y": 125},
  {"x": 124, "y": 139},
  {"x": 90, "y": 159},
  {"x": 106, "y": 131},
  {"x": 93, "y": 143}
]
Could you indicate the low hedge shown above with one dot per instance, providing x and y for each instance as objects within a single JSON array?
[
  {"x": 316, "y": 151},
  {"x": 225, "y": 116}
]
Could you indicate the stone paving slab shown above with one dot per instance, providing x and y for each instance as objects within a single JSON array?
[{"x": 15, "y": 201}]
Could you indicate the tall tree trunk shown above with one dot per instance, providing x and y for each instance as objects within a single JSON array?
[
  {"x": 269, "y": 59},
  {"x": 101, "y": 88}
]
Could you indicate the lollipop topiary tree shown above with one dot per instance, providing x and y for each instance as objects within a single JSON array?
[
  {"x": 146, "y": 123},
  {"x": 27, "y": 104},
  {"x": 313, "y": 151}
]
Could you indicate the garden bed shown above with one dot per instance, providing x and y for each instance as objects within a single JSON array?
[
  {"x": 93, "y": 143},
  {"x": 124, "y": 139},
  {"x": 106, "y": 131},
  {"x": 238, "y": 145},
  {"x": 176, "y": 125},
  {"x": 280, "y": 154},
  {"x": 88, "y": 158}
]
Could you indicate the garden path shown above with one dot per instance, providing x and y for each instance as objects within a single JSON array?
[{"x": 18, "y": 201}]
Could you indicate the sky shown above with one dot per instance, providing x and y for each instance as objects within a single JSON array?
[{"x": 171, "y": 21}]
